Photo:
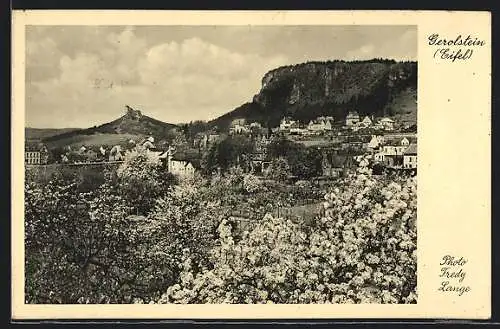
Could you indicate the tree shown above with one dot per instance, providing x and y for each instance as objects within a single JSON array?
[
  {"x": 361, "y": 250},
  {"x": 251, "y": 184},
  {"x": 142, "y": 180},
  {"x": 74, "y": 241},
  {"x": 278, "y": 170},
  {"x": 228, "y": 152},
  {"x": 304, "y": 162}
]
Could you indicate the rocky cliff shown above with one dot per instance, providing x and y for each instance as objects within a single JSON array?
[{"x": 333, "y": 88}]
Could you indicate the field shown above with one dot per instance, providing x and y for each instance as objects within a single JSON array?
[{"x": 41, "y": 133}]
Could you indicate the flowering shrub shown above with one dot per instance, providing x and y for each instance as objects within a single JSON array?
[
  {"x": 279, "y": 169},
  {"x": 142, "y": 180},
  {"x": 362, "y": 250},
  {"x": 251, "y": 184}
]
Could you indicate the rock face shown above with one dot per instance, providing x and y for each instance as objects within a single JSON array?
[
  {"x": 305, "y": 91},
  {"x": 132, "y": 114}
]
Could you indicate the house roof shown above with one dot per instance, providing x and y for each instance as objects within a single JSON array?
[
  {"x": 191, "y": 157},
  {"x": 411, "y": 150}
]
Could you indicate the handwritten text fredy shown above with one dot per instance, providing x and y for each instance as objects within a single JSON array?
[{"x": 453, "y": 274}]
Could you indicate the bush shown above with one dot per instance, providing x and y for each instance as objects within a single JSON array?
[{"x": 363, "y": 250}]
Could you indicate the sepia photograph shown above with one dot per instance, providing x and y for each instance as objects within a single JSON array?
[{"x": 220, "y": 164}]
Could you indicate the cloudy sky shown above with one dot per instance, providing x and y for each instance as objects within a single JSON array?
[{"x": 81, "y": 76}]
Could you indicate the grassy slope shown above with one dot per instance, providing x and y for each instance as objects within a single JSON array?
[
  {"x": 41, "y": 133},
  {"x": 97, "y": 139}
]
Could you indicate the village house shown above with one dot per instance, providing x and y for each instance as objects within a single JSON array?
[
  {"x": 204, "y": 140},
  {"x": 286, "y": 123},
  {"x": 181, "y": 167},
  {"x": 298, "y": 129},
  {"x": 178, "y": 163},
  {"x": 239, "y": 126},
  {"x": 35, "y": 153},
  {"x": 319, "y": 125},
  {"x": 410, "y": 157},
  {"x": 115, "y": 154},
  {"x": 148, "y": 144},
  {"x": 393, "y": 151},
  {"x": 379, "y": 157},
  {"x": 375, "y": 142},
  {"x": 352, "y": 119},
  {"x": 387, "y": 123},
  {"x": 393, "y": 147},
  {"x": 255, "y": 125},
  {"x": 366, "y": 122},
  {"x": 334, "y": 164}
]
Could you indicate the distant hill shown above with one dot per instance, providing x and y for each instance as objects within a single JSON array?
[
  {"x": 41, "y": 133},
  {"x": 305, "y": 91},
  {"x": 132, "y": 125}
]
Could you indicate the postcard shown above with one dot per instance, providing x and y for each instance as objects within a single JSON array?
[{"x": 251, "y": 164}]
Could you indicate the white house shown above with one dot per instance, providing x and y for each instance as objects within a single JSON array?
[
  {"x": 177, "y": 165},
  {"x": 255, "y": 125},
  {"x": 352, "y": 119},
  {"x": 298, "y": 129},
  {"x": 238, "y": 129},
  {"x": 319, "y": 125},
  {"x": 410, "y": 157},
  {"x": 115, "y": 154},
  {"x": 387, "y": 123},
  {"x": 286, "y": 123},
  {"x": 379, "y": 157},
  {"x": 366, "y": 122},
  {"x": 395, "y": 148},
  {"x": 35, "y": 153},
  {"x": 148, "y": 143},
  {"x": 181, "y": 168},
  {"x": 374, "y": 142}
]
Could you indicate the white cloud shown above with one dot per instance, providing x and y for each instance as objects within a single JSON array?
[
  {"x": 81, "y": 76},
  {"x": 175, "y": 82}
]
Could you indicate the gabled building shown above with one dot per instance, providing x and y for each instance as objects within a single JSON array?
[
  {"x": 410, "y": 157},
  {"x": 374, "y": 142},
  {"x": 35, "y": 152},
  {"x": 366, "y": 122},
  {"x": 334, "y": 164},
  {"x": 352, "y": 119},
  {"x": 387, "y": 123},
  {"x": 395, "y": 147},
  {"x": 239, "y": 129},
  {"x": 116, "y": 153},
  {"x": 239, "y": 126},
  {"x": 319, "y": 125},
  {"x": 298, "y": 129},
  {"x": 179, "y": 164},
  {"x": 181, "y": 167},
  {"x": 392, "y": 152},
  {"x": 148, "y": 144},
  {"x": 286, "y": 123}
]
